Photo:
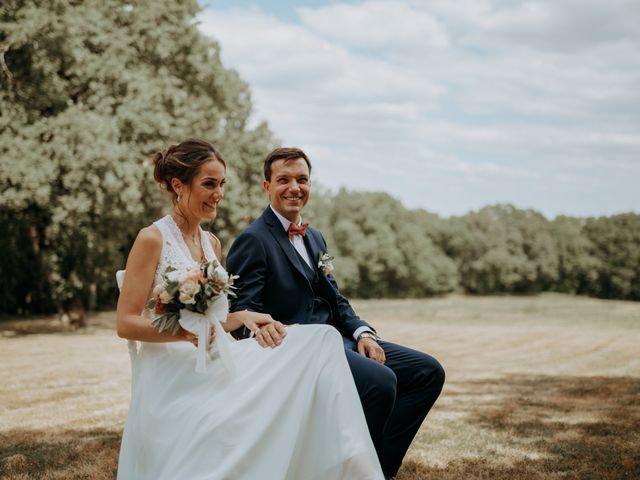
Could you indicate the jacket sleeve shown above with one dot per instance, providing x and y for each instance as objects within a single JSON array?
[
  {"x": 348, "y": 317},
  {"x": 247, "y": 259}
]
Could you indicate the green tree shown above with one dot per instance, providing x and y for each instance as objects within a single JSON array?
[
  {"x": 382, "y": 249},
  {"x": 89, "y": 90},
  {"x": 508, "y": 250},
  {"x": 578, "y": 267},
  {"x": 616, "y": 242}
]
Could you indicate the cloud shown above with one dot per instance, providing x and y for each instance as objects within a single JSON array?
[
  {"x": 452, "y": 105},
  {"x": 567, "y": 25},
  {"x": 384, "y": 25}
]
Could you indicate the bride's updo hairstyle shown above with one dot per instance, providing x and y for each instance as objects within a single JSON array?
[{"x": 183, "y": 161}]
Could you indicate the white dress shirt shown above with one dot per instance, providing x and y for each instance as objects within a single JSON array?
[
  {"x": 296, "y": 240},
  {"x": 298, "y": 244}
]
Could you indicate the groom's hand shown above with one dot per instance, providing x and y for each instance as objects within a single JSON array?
[
  {"x": 271, "y": 334},
  {"x": 370, "y": 348},
  {"x": 268, "y": 332}
]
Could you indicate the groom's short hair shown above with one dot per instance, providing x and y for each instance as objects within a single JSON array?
[{"x": 287, "y": 154}]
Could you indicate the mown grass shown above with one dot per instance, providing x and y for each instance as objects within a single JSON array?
[
  {"x": 537, "y": 388},
  {"x": 65, "y": 454},
  {"x": 577, "y": 427}
]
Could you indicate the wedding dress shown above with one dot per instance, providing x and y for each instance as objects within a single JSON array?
[{"x": 288, "y": 413}]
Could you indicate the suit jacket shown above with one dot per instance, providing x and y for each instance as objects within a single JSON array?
[{"x": 272, "y": 278}]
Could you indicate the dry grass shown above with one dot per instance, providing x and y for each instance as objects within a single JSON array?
[
  {"x": 565, "y": 427},
  {"x": 61, "y": 454},
  {"x": 537, "y": 388}
]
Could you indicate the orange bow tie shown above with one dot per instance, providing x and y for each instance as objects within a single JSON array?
[{"x": 297, "y": 230}]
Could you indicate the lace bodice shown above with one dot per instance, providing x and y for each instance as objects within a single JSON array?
[{"x": 175, "y": 252}]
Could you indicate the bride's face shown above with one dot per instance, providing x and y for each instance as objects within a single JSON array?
[{"x": 200, "y": 199}]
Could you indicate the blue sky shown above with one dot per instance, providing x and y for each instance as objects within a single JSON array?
[
  {"x": 450, "y": 106},
  {"x": 281, "y": 9}
]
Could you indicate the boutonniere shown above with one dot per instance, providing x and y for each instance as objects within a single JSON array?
[{"x": 324, "y": 263}]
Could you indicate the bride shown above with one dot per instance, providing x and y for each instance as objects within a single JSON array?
[{"x": 289, "y": 412}]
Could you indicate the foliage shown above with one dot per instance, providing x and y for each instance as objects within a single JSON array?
[
  {"x": 578, "y": 267},
  {"x": 510, "y": 251},
  {"x": 381, "y": 249},
  {"x": 616, "y": 248},
  {"x": 386, "y": 250},
  {"x": 89, "y": 91}
]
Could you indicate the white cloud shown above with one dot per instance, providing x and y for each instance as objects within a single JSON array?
[
  {"x": 566, "y": 25},
  {"x": 453, "y": 105},
  {"x": 377, "y": 24}
]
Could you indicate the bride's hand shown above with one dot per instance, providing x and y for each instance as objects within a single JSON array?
[
  {"x": 268, "y": 332},
  {"x": 190, "y": 337}
]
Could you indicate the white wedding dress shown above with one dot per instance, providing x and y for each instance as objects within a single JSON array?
[{"x": 291, "y": 412}]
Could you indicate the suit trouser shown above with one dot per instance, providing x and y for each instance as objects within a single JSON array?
[{"x": 396, "y": 397}]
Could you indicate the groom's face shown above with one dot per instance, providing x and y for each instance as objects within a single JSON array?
[{"x": 289, "y": 187}]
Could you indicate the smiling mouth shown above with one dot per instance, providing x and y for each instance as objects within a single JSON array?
[{"x": 211, "y": 206}]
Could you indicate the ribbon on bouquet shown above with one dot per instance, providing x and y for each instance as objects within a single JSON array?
[{"x": 200, "y": 323}]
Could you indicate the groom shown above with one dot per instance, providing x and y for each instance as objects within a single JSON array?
[{"x": 277, "y": 260}]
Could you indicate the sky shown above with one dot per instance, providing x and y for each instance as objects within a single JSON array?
[{"x": 449, "y": 105}]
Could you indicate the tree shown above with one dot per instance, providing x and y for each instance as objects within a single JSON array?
[
  {"x": 381, "y": 247},
  {"x": 616, "y": 242},
  {"x": 90, "y": 90},
  {"x": 578, "y": 267},
  {"x": 509, "y": 251}
]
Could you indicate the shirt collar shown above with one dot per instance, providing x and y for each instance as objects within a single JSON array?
[{"x": 285, "y": 223}]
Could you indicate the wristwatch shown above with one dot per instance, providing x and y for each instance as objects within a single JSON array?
[{"x": 370, "y": 335}]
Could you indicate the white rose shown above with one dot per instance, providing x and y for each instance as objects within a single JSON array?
[
  {"x": 211, "y": 268},
  {"x": 186, "y": 299},
  {"x": 164, "y": 296},
  {"x": 188, "y": 291},
  {"x": 222, "y": 274}
]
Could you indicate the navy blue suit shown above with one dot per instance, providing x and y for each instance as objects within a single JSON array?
[{"x": 274, "y": 279}]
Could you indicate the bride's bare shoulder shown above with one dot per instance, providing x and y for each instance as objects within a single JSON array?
[
  {"x": 149, "y": 237},
  {"x": 216, "y": 244},
  {"x": 146, "y": 250}
]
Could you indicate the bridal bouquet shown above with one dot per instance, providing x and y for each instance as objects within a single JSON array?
[
  {"x": 194, "y": 300},
  {"x": 194, "y": 290}
]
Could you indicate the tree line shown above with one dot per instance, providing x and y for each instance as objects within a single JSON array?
[
  {"x": 387, "y": 250},
  {"x": 89, "y": 90},
  {"x": 390, "y": 251}
]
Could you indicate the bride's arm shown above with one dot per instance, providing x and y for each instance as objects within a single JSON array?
[
  {"x": 138, "y": 285},
  {"x": 251, "y": 320}
]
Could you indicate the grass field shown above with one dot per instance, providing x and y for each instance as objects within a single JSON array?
[{"x": 541, "y": 387}]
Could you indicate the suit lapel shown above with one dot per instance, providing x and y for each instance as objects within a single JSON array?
[
  {"x": 313, "y": 247},
  {"x": 281, "y": 237}
]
